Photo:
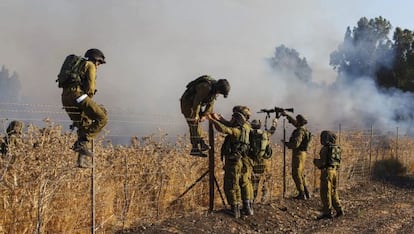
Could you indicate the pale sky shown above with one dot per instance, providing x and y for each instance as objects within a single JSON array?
[{"x": 154, "y": 47}]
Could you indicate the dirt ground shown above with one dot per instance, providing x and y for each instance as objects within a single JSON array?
[{"x": 370, "y": 207}]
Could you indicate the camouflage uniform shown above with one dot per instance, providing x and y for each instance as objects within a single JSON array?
[
  {"x": 329, "y": 191},
  {"x": 196, "y": 103},
  {"x": 296, "y": 144},
  {"x": 87, "y": 116},
  {"x": 237, "y": 183}
]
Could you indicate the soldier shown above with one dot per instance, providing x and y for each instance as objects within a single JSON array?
[
  {"x": 261, "y": 158},
  {"x": 87, "y": 116},
  {"x": 299, "y": 143},
  {"x": 13, "y": 138},
  {"x": 328, "y": 163},
  {"x": 237, "y": 183},
  {"x": 196, "y": 103}
]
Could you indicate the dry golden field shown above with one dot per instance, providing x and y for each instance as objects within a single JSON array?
[{"x": 42, "y": 190}]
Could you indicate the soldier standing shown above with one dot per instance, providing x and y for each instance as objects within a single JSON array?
[
  {"x": 237, "y": 183},
  {"x": 261, "y": 160},
  {"x": 299, "y": 143},
  {"x": 196, "y": 103},
  {"x": 87, "y": 116},
  {"x": 328, "y": 163}
]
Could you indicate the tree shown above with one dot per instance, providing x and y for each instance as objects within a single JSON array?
[
  {"x": 9, "y": 86},
  {"x": 365, "y": 49},
  {"x": 288, "y": 60}
]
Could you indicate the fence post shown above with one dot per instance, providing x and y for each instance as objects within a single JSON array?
[
  {"x": 284, "y": 158},
  {"x": 211, "y": 164},
  {"x": 370, "y": 150},
  {"x": 396, "y": 145},
  {"x": 93, "y": 190}
]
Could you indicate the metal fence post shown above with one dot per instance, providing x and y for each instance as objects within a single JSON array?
[
  {"x": 93, "y": 190},
  {"x": 211, "y": 164}
]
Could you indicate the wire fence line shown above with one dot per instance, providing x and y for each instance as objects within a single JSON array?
[{"x": 43, "y": 192}]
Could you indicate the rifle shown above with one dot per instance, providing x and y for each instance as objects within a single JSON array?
[{"x": 277, "y": 110}]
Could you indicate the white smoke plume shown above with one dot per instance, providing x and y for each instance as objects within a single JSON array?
[{"x": 155, "y": 47}]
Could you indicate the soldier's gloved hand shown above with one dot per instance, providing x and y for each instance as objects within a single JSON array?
[{"x": 95, "y": 91}]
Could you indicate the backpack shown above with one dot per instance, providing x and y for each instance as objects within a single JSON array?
[
  {"x": 259, "y": 145},
  {"x": 307, "y": 139},
  {"x": 71, "y": 71},
  {"x": 334, "y": 155},
  {"x": 190, "y": 87}
]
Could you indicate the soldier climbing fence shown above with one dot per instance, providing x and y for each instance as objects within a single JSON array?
[{"x": 143, "y": 180}]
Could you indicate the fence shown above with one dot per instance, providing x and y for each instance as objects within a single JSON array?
[{"x": 150, "y": 179}]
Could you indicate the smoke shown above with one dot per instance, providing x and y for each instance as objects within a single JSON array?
[{"x": 154, "y": 48}]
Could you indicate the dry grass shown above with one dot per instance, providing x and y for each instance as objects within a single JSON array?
[{"x": 42, "y": 191}]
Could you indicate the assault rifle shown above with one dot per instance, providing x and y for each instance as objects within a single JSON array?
[{"x": 277, "y": 110}]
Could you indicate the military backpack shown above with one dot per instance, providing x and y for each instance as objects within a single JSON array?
[
  {"x": 71, "y": 71},
  {"x": 234, "y": 149},
  {"x": 259, "y": 145},
  {"x": 334, "y": 155},
  {"x": 190, "y": 87},
  {"x": 306, "y": 141}
]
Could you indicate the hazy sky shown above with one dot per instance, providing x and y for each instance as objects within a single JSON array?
[{"x": 154, "y": 47}]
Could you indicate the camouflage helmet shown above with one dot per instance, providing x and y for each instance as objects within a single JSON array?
[
  {"x": 256, "y": 124},
  {"x": 328, "y": 138},
  {"x": 223, "y": 86},
  {"x": 301, "y": 120},
  {"x": 95, "y": 55},
  {"x": 244, "y": 110}
]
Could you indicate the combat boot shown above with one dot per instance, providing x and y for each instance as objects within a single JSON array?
[
  {"x": 300, "y": 196},
  {"x": 324, "y": 216},
  {"x": 80, "y": 147},
  {"x": 82, "y": 162},
  {"x": 339, "y": 213},
  {"x": 197, "y": 152},
  {"x": 204, "y": 146},
  {"x": 307, "y": 193},
  {"x": 235, "y": 210},
  {"x": 247, "y": 208}
]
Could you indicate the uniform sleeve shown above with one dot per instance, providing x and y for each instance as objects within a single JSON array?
[
  {"x": 90, "y": 79},
  {"x": 224, "y": 129},
  {"x": 201, "y": 92}
]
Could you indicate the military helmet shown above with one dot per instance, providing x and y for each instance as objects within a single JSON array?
[
  {"x": 301, "y": 120},
  {"x": 256, "y": 124},
  {"x": 96, "y": 55},
  {"x": 223, "y": 86},
  {"x": 239, "y": 118},
  {"x": 328, "y": 138},
  {"x": 244, "y": 110}
]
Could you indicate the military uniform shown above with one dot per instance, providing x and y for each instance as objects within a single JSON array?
[
  {"x": 196, "y": 103},
  {"x": 192, "y": 104},
  {"x": 237, "y": 176},
  {"x": 88, "y": 117},
  {"x": 261, "y": 166},
  {"x": 329, "y": 174},
  {"x": 299, "y": 147}
]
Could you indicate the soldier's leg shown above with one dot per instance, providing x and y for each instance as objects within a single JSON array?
[
  {"x": 325, "y": 194},
  {"x": 246, "y": 186},
  {"x": 97, "y": 114},
  {"x": 232, "y": 171},
  {"x": 336, "y": 204},
  {"x": 297, "y": 176}
]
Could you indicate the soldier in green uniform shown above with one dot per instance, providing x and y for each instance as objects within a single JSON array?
[
  {"x": 196, "y": 103},
  {"x": 299, "y": 142},
  {"x": 237, "y": 183},
  {"x": 87, "y": 116},
  {"x": 261, "y": 161},
  {"x": 13, "y": 139},
  {"x": 328, "y": 163}
]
